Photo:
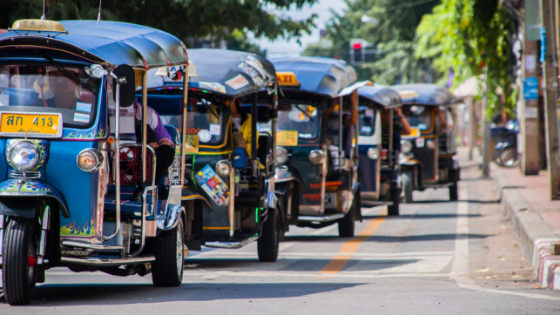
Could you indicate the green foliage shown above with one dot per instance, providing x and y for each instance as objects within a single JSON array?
[
  {"x": 394, "y": 36},
  {"x": 183, "y": 18},
  {"x": 472, "y": 37}
]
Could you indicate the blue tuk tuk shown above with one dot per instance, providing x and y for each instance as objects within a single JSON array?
[
  {"x": 229, "y": 192},
  {"x": 317, "y": 155},
  {"x": 68, "y": 171},
  {"x": 379, "y": 150},
  {"x": 427, "y": 154}
]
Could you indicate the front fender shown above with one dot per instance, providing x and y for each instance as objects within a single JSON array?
[
  {"x": 21, "y": 188},
  {"x": 171, "y": 218},
  {"x": 285, "y": 175}
]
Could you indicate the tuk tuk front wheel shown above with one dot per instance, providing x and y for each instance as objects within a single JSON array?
[
  {"x": 167, "y": 270},
  {"x": 347, "y": 225},
  {"x": 19, "y": 273},
  {"x": 269, "y": 241},
  {"x": 453, "y": 189},
  {"x": 407, "y": 186},
  {"x": 393, "y": 210}
]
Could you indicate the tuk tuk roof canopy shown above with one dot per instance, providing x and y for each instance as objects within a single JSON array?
[
  {"x": 318, "y": 75},
  {"x": 230, "y": 72},
  {"x": 424, "y": 94},
  {"x": 114, "y": 43},
  {"x": 383, "y": 96}
]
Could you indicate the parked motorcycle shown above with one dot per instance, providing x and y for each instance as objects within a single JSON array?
[{"x": 505, "y": 150}]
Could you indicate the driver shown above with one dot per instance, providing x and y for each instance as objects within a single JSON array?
[
  {"x": 158, "y": 138},
  {"x": 65, "y": 90}
]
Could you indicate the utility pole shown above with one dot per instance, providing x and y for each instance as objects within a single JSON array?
[
  {"x": 472, "y": 126},
  {"x": 529, "y": 102},
  {"x": 548, "y": 48}
]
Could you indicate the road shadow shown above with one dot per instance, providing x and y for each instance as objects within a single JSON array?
[
  {"x": 422, "y": 216},
  {"x": 404, "y": 238},
  {"x": 97, "y": 294},
  {"x": 461, "y": 200}
]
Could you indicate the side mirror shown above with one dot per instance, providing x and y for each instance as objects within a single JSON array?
[{"x": 125, "y": 78}]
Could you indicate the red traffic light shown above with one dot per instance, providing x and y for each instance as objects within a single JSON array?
[{"x": 357, "y": 45}]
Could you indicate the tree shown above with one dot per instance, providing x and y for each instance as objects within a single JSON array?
[
  {"x": 183, "y": 18},
  {"x": 472, "y": 37},
  {"x": 394, "y": 36}
]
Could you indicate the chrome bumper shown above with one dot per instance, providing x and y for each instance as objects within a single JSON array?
[
  {"x": 321, "y": 219},
  {"x": 232, "y": 245}
]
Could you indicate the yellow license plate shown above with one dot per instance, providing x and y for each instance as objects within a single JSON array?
[
  {"x": 34, "y": 125},
  {"x": 191, "y": 144},
  {"x": 287, "y": 138}
]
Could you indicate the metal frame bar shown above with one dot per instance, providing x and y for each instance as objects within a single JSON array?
[{"x": 184, "y": 128}]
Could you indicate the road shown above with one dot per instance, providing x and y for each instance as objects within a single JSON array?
[{"x": 438, "y": 257}]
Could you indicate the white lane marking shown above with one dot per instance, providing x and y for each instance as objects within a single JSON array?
[
  {"x": 460, "y": 267},
  {"x": 373, "y": 255}
]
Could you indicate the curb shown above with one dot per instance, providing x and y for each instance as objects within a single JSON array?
[{"x": 537, "y": 238}]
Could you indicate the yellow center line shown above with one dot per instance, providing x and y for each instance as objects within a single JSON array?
[{"x": 337, "y": 262}]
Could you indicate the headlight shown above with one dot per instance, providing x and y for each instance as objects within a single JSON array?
[
  {"x": 317, "y": 156},
  {"x": 430, "y": 144},
  {"x": 24, "y": 156},
  {"x": 373, "y": 153},
  {"x": 89, "y": 160},
  {"x": 406, "y": 146},
  {"x": 281, "y": 155},
  {"x": 223, "y": 168}
]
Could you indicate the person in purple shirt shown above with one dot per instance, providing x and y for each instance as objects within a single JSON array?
[{"x": 158, "y": 138}]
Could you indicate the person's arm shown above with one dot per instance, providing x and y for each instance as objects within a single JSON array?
[
  {"x": 441, "y": 117},
  {"x": 406, "y": 126},
  {"x": 353, "y": 119},
  {"x": 160, "y": 132}
]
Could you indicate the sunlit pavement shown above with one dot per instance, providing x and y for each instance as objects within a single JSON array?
[{"x": 438, "y": 257}]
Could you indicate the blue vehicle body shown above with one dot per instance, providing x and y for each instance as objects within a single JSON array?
[
  {"x": 69, "y": 204},
  {"x": 378, "y": 175}
]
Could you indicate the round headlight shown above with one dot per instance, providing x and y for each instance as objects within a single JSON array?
[
  {"x": 281, "y": 155},
  {"x": 373, "y": 153},
  {"x": 223, "y": 168},
  {"x": 89, "y": 160},
  {"x": 430, "y": 144},
  {"x": 406, "y": 146},
  {"x": 24, "y": 156},
  {"x": 317, "y": 156}
]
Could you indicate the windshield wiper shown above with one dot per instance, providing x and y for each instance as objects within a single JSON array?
[
  {"x": 68, "y": 74},
  {"x": 303, "y": 111}
]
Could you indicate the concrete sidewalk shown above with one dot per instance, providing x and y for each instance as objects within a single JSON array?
[{"x": 525, "y": 200}]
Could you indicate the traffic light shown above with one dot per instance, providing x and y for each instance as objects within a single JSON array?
[{"x": 357, "y": 52}]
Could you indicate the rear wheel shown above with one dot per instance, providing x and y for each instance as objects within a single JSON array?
[
  {"x": 393, "y": 210},
  {"x": 268, "y": 242},
  {"x": 19, "y": 273},
  {"x": 407, "y": 186},
  {"x": 167, "y": 270},
  {"x": 347, "y": 225}
]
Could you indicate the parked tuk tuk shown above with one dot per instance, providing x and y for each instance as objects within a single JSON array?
[
  {"x": 68, "y": 172},
  {"x": 229, "y": 190},
  {"x": 317, "y": 178},
  {"x": 427, "y": 154},
  {"x": 379, "y": 171}
]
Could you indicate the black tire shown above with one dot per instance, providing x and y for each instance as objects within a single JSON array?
[
  {"x": 269, "y": 241},
  {"x": 396, "y": 199},
  {"x": 347, "y": 225},
  {"x": 20, "y": 244},
  {"x": 407, "y": 186},
  {"x": 168, "y": 248},
  {"x": 508, "y": 157},
  {"x": 453, "y": 189}
]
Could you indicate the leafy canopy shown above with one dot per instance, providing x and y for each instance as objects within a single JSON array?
[
  {"x": 393, "y": 38},
  {"x": 183, "y": 18},
  {"x": 472, "y": 36}
]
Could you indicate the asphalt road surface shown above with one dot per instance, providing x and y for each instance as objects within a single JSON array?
[{"x": 438, "y": 257}]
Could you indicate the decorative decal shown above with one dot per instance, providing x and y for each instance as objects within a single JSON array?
[
  {"x": 237, "y": 82},
  {"x": 213, "y": 185}
]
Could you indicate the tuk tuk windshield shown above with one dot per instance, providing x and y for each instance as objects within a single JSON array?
[
  {"x": 302, "y": 118},
  {"x": 418, "y": 116},
  {"x": 366, "y": 120},
  {"x": 47, "y": 89},
  {"x": 205, "y": 119}
]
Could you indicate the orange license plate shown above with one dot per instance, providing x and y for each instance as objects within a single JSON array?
[{"x": 33, "y": 125}]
